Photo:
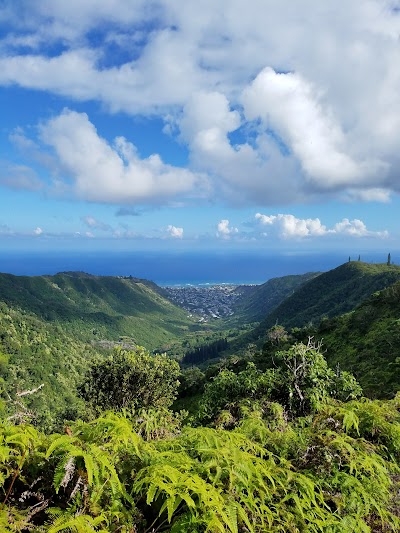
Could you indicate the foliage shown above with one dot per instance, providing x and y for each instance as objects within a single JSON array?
[
  {"x": 98, "y": 308},
  {"x": 367, "y": 342},
  {"x": 192, "y": 381},
  {"x": 277, "y": 335},
  {"x": 291, "y": 448},
  {"x": 301, "y": 382},
  {"x": 37, "y": 353},
  {"x": 205, "y": 352},
  {"x": 307, "y": 381},
  {"x": 332, "y": 472},
  {"x": 131, "y": 379},
  {"x": 262, "y": 299},
  {"x": 332, "y": 293},
  {"x": 228, "y": 389}
]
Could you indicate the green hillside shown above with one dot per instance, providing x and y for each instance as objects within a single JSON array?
[
  {"x": 290, "y": 446},
  {"x": 367, "y": 342},
  {"x": 262, "y": 299},
  {"x": 332, "y": 293},
  {"x": 98, "y": 308},
  {"x": 35, "y": 353},
  {"x": 329, "y": 294}
]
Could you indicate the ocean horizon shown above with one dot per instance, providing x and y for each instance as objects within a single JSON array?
[{"x": 183, "y": 268}]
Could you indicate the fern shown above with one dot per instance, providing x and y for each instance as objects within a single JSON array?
[{"x": 63, "y": 521}]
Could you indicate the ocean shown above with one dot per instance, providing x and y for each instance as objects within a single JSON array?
[{"x": 179, "y": 268}]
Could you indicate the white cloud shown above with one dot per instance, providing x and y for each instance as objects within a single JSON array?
[
  {"x": 111, "y": 173},
  {"x": 288, "y": 226},
  {"x": 322, "y": 79},
  {"x": 38, "y": 231},
  {"x": 176, "y": 233},
  {"x": 242, "y": 173},
  {"x": 289, "y": 105},
  {"x": 69, "y": 21},
  {"x": 356, "y": 228},
  {"x": 206, "y": 111},
  {"x": 224, "y": 231}
]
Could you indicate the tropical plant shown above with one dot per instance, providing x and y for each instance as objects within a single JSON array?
[{"x": 131, "y": 379}]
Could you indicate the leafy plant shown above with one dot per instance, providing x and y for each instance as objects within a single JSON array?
[{"x": 131, "y": 379}]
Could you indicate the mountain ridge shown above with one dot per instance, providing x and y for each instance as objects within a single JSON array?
[
  {"x": 332, "y": 293},
  {"x": 95, "y": 307}
]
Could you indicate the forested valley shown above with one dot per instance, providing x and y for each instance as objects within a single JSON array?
[{"x": 121, "y": 413}]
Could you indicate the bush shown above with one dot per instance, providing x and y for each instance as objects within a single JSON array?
[{"x": 131, "y": 380}]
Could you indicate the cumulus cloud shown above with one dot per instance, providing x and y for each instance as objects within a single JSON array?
[
  {"x": 110, "y": 173},
  {"x": 288, "y": 104},
  {"x": 243, "y": 173},
  {"x": 356, "y": 228},
  {"x": 288, "y": 226},
  {"x": 38, "y": 231},
  {"x": 224, "y": 230},
  {"x": 69, "y": 21},
  {"x": 313, "y": 98},
  {"x": 174, "y": 232}
]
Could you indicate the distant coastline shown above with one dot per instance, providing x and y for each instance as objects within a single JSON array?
[{"x": 195, "y": 268}]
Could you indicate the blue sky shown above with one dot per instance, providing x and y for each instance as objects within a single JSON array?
[{"x": 131, "y": 125}]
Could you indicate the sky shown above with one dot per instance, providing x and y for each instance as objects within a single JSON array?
[{"x": 214, "y": 124}]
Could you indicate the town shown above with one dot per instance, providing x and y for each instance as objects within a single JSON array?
[{"x": 210, "y": 302}]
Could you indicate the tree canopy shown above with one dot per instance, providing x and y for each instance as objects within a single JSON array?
[{"x": 131, "y": 379}]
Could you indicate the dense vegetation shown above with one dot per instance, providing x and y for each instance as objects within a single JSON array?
[
  {"x": 98, "y": 308},
  {"x": 310, "y": 463},
  {"x": 99, "y": 437},
  {"x": 36, "y": 353},
  {"x": 205, "y": 352},
  {"x": 263, "y": 299},
  {"x": 367, "y": 342},
  {"x": 332, "y": 293},
  {"x": 324, "y": 296}
]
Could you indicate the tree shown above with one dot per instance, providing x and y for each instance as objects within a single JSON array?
[
  {"x": 227, "y": 390},
  {"x": 277, "y": 334},
  {"x": 308, "y": 382},
  {"x": 131, "y": 379},
  {"x": 388, "y": 260}
]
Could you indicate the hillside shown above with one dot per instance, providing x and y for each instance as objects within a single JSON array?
[
  {"x": 34, "y": 352},
  {"x": 329, "y": 294},
  {"x": 263, "y": 449},
  {"x": 262, "y": 299},
  {"x": 97, "y": 308},
  {"x": 367, "y": 342},
  {"x": 332, "y": 293}
]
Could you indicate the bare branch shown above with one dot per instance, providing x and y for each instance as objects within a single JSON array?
[{"x": 27, "y": 392}]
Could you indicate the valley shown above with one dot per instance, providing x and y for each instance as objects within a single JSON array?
[
  {"x": 293, "y": 381},
  {"x": 210, "y": 302}
]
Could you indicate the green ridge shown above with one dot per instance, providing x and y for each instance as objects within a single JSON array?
[
  {"x": 262, "y": 299},
  {"x": 333, "y": 293},
  {"x": 367, "y": 342},
  {"x": 97, "y": 308}
]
